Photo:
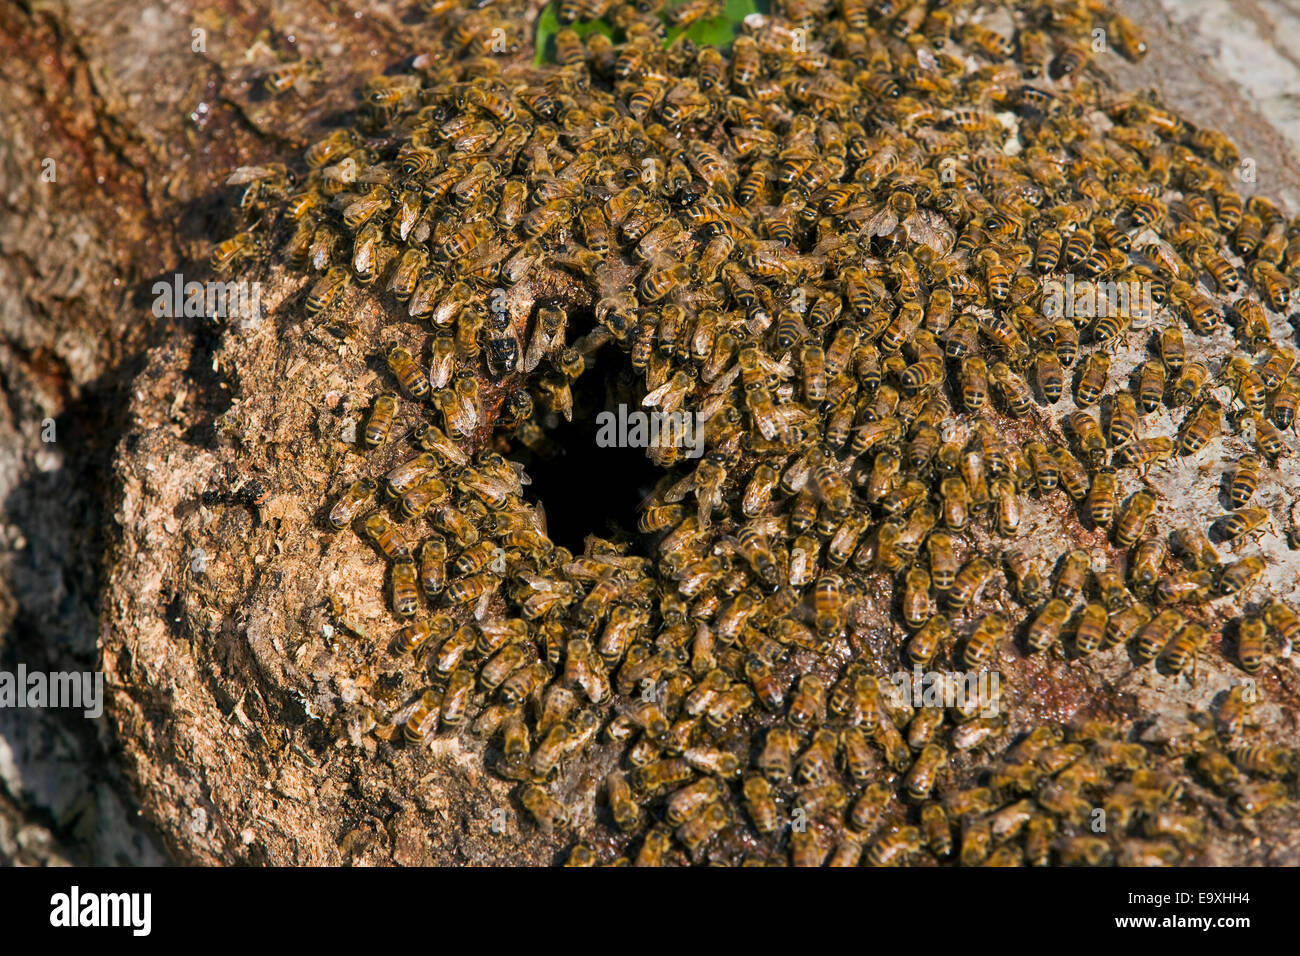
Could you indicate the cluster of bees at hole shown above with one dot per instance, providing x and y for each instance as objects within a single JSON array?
[{"x": 833, "y": 241}]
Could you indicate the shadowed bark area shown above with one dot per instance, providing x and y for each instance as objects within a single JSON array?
[
  {"x": 212, "y": 749},
  {"x": 121, "y": 123}
]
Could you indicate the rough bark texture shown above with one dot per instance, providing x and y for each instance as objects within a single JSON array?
[
  {"x": 219, "y": 742},
  {"x": 139, "y": 119}
]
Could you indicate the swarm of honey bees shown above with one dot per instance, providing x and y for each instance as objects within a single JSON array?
[{"x": 832, "y": 244}]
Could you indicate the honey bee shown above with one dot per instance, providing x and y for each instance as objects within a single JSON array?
[
  {"x": 1088, "y": 434},
  {"x": 1072, "y": 58},
  {"x": 1047, "y": 254},
  {"x": 920, "y": 779},
  {"x": 411, "y": 638},
  {"x": 356, "y": 496},
  {"x": 1051, "y": 376},
  {"x": 1241, "y": 574},
  {"x": 982, "y": 645},
  {"x": 549, "y": 813},
  {"x": 1234, "y": 712},
  {"x": 1283, "y": 622},
  {"x": 1122, "y": 626},
  {"x": 1090, "y": 629},
  {"x": 1007, "y": 497},
  {"x": 1252, "y": 799},
  {"x": 407, "y": 372},
  {"x": 1269, "y": 439},
  {"x": 298, "y": 76},
  {"x": 1134, "y": 518},
  {"x": 893, "y": 848},
  {"x": 1101, "y": 498},
  {"x": 1274, "y": 284},
  {"x": 955, "y": 502},
  {"x": 1245, "y": 521},
  {"x": 1045, "y": 630},
  {"x": 409, "y": 474},
  {"x": 1066, "y": 342},
  {"x": 1252, "y": 644},
  {"x": 1193, "y": 586},
  {"x": 655, "y": 846},
  {"x": 1092, "y": 379},
  {"x": 240, "y": 246},
  {"x": 387, "y": 538},
  {"x": 1145, "y": 569},
  {"x": 1285, "y": 401},
  {"x": 828, "y": 604},
  {"x": 1074, "y": 571},
  {"x": 423, "y": 719},
  {"x": 1073, "y": 476},
  {"x": 1012, "y": 388},
  {"x": 808, "y": 706},
  {"x": 1151, "y": 386},
  {"x": 762, "y": 808},
  {"x": 623, "y": 807},
  {"x": 1156, "y": 635},
  {"x": 1123, "y": 420},
  {"x": 405, "y": 600},
  {"x": 917, "y": 605},
  {"x": 331, "y": 148},
  {"x": 967, "y": 584},
  {"x": 456, "y": 697}
]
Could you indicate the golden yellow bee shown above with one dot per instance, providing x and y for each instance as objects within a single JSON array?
[
  {"x": 1252, "y": 643},
  {"x": 350, "y": 503},
  {"x": 1283, "y": 621},
  {"x": 411, "y": 638},
  {"x": 386, "y": 537},
  {"x": 1241, "y": 574},
  {"x": 1045, "y": 629},
  {"x": 1073, "y": 573},
  {"x": 423, "y": 719},
  {"x": 549, "y": 813},
  {"x": 405, "y": 599},
  {"x": 1245, "y": 521},
  {"x": 240, "y": 246},
  {"x": 1100, "y": 501},
  {"x": 1133, "y": 519},
  {"x": 982, "y": 645}
]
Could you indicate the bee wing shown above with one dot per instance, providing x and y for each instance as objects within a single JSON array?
[
  {"x": 932, "y": 229},
  {"x": 520, "y": 477},
  {"x": 481, "y": 608},
  {"x": 770, "y": 365},
  {"x": 538, "y": 343},
  {"x": 484, "y": 255},
  {"x": 712, "y": 404},
  {"x": 248, "y": 174},
  {"x": 879, "y": 221},
  {"x": 679, "y": 490},
  {"x": 654, "y": 398}
]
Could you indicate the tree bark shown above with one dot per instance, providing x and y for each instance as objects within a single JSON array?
[{"x": 215, "y": 747}]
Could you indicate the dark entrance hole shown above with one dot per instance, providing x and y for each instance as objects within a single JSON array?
[{"x": 587, "y": 489}]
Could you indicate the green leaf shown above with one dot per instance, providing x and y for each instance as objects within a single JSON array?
[
  {"x": 548, "y": 24},
  {"x": 718, "y": 31}
]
